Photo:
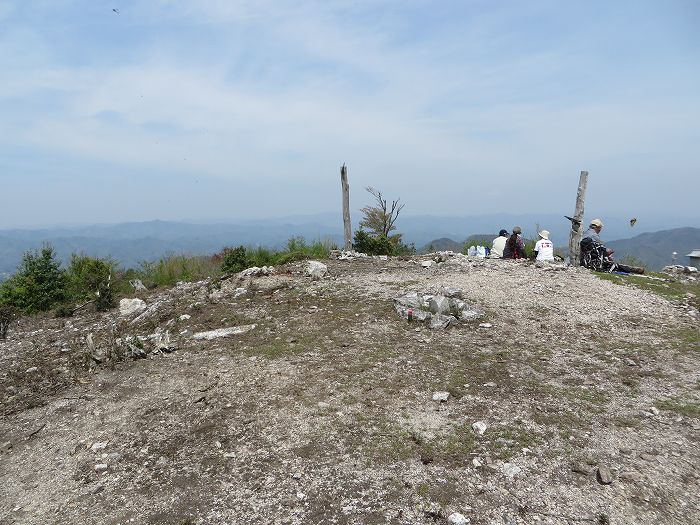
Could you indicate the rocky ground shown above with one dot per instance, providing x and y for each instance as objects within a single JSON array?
[{"x": 572, "y": 400}]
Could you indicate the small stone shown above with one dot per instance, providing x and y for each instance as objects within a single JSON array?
[
  {"x": 510, "y": 470},
  {"x": 98, "y": 446},
  {"x": 654, "y": 411},
  {"x": 485, "y": 325},
  {"x": 630, "y": 476},
  {"x": 229, "y": 455},
  {"x": 477, "y": 462},
  {"x": 301, "y": 496},
  {"x": 630, "y": 362},
  {"x": 223, "y": 332},
  {"x": 31, "y": 370},
  {"x": 439, "y": 304},
  {"x": 322, "y": 405},
  {"x": 101, "y": 467},
  {"x": 441, "y": 396},
  {"x": 490, "y": 385},
  {"x": 426, "y": 264},
  {"x": 479, "y": 427},
  {"x": 6, "y": 446},
  {"x": 291, "y": 340},
  {"x": 604, "y": 476},
  {"x": 98, "y": 488},
  {"x": 647, "y": 457},
  {"x": 185, "y": 317},
  {"x": 581, "y": 468},
  {"x": 296, "y": 475},
  {"x": 458, "y": 519}
]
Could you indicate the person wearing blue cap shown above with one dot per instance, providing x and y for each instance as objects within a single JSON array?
[{"x": 499, "y": 243}]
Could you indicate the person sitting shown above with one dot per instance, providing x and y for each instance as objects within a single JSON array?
[
  {"x": 544, "y": 247},
  {"x": 499, "y": 243},
  {"x": 515, "y": 246},
  {"x": 596, "y": 256}
]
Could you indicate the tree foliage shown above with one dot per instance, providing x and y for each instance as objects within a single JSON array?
[
  {"x": 380, "y": 221},
  {"x": 86, "y": 276},
  {"x": 380, "y": 218},
  {"x": 38, "y": 284}
]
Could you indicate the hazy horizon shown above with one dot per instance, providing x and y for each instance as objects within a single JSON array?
[{"x": 210, "y": 109}]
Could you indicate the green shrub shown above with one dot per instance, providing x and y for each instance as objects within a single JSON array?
[
  {"x": 365, "y": 242},
  {"x": 39, "y": 283},
  {"x": 371, "y": 245},
  {"x": 85, "y": 276},
  {"x": 233, "y": 259}
]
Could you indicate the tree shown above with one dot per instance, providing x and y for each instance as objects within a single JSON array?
[
  {"x": 38, "y": 284},
  {"x": 380, "y": 219}
]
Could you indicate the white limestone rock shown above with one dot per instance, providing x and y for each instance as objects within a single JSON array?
[{"x": 129, "y": 307}]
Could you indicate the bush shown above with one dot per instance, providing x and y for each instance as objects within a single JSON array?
[
  {"x": 371, "y": 245},
  {"x": 233, "y": 260},
  {"x": 85, "y": 276},
  {"x": 38, "y": 285},
  {"x": 381, "y": 245}
]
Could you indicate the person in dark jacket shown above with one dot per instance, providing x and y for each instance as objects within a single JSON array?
[
  {"x": 515, "y": 246},
  {"x": 596, "y": 256}
]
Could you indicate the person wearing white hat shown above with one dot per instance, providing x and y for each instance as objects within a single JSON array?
[
  {"x": 593, "y": 232},
  {"x": 544, "y": 247}
]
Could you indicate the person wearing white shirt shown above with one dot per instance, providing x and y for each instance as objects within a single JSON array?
[
  {"x": 544, "y": 247},
  {"x": 499, "y": 243}
]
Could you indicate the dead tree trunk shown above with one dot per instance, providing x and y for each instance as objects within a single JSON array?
[
  {"x": 347, "y": 229},
  {"x": 576, "y": 221}
]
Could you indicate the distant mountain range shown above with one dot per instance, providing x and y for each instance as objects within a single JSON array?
[
  {"x": 131, "y": 243},
  {"x": 656, "y": 249}
]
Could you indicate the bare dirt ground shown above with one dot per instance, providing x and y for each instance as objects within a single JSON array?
[{"x": 324, "y": 412}]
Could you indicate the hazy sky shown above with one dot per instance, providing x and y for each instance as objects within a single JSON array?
[{"x": 221, "y": 109}]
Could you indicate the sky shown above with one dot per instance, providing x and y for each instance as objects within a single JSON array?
[{"x": 223, "y": 110}]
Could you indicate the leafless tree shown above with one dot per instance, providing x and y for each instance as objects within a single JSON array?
[{"x": 380, "y": 218}]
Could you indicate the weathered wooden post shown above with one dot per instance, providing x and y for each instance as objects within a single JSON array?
[
  {"x": 347, "y": 228},
  {"x": 576, "y": 229}
]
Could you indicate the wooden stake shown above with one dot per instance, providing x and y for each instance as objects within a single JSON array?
[
  {"x": 576, "y": 229},
  {"x": 347, "y": 228}
]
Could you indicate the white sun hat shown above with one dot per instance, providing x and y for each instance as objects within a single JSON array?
[{"x": 544, "y": 234}]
